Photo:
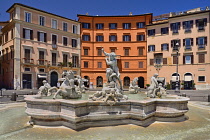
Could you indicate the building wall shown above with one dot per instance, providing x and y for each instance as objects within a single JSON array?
[
  {"x": 196, "y": 69},
  {"x": 18, "y": 23},
  {"x": 92, "y": 58}
]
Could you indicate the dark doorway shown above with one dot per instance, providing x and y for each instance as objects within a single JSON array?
[
  {"x": 173, "y": 81},
  {"x": 126, "y": 81},
  {"x": 86, "y": 83},
  {"x": 40, "y": 82},
  {"x": 27, "y": 81},
  {"x": 188, "y": 81},
  {"x": 53, "y": 79},
  {"x": 141, "y": 82},
  {"x": 99, "y": 81}
]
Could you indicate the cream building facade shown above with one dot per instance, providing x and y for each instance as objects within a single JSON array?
[
  {"x": 37, "y": 45},
  {"x": 189, "y": 32}
]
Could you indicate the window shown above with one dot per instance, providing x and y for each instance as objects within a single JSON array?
[
  {"x": 164, "y": 30},
  {"x": 41, "y": 57},
  {"x": 27, "y": 69},
  {"x": 65, "y": 60},
  {"x": 126, "y": 38},
  {"x": 42, "y": 37},
  {"x": 141, "y": 64},
  {"x": 86, "y": 37},
  {"x": 188, "y": 43},
  {"x": 65, "y": 41},
  {"x": 85, "y": 51},
  {"x": 54, "y": 23},
  {"x": 187, "y": 25},
  {"x": 99, "y": 26},
  {"x": 201, "y": 78},
  {"x": 151, "y": 48},
  {"x": 74, "y": 42},
  {"x": 65, "y": 26},
  {"x": 99, "y": 52},
  {"x": 99, "y": 38},
  {"x": 201, "y": 42},
  {"x": 75, "y": 29},
  {"x": 41, "y": 70},
  {"x": 140, "y": 25},
  {"x": 140, "y": 37},
  {"x": 6, "y": 36},
  {"x": 158, "y": 60},
  {"x": 75, "y": 61},
  {"x": 54, "y": 39},
  {"x": 27, "y": 55},
  {"x": 86, "y": 25},
  {"x": 41, "y": 20},
  {"x": 126, "y": 64},
  {"x": 54, "y": 55},
  {"x": 188, "y": 59},
  {"x": 201, "y": 58},
  {"x": 175, "y": 44},
  {"x": 175, "y": 27},
  {"x": 113, "y": 38},
  {"x": 99, "y": 64},
  {"x": 12, "y": 33},
  {"x": 201, "y": 23},
  {"x": 126, "y": 25},
  {"x": 113, "y": 50},
  {"x": 27, "y": 34},
  {"x": 112, "y": 25},
  {"x": 126, "y": 52},
  {"x": 27, "y": 17},
  {"x": 164, "y": 61},
  {"x": 85, "y": 64},
  {"x": 151, "y": 32},
  {"x": 164, "y": 47},
  {"x": 151, "y": 61},
  {"x": 174, "y": 59},
  {"x": 141, "y": 51}
]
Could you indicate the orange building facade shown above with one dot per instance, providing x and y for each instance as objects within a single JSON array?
[{"x": 124, "y": 35}]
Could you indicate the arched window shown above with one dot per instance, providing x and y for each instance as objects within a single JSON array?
[{"x": 99, "y": 81}]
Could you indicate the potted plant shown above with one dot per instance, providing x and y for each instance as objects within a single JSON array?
[
  {"x": 60, "y": 64},
  {"x": 194, "y": 86},
  {"x": 147, "y": 85},
  {"x": 182, "y": 86},
  {"x": 168, "y": 86},
  {"x": 70, "y": 64}
]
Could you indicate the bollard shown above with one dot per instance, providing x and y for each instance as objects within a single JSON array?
[
  {"x": 14, "y": 96},
  {"x": 208, "y": 98}
]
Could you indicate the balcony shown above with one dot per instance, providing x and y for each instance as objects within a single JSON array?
[
  {"x": 54, "y": 46},
  {"x": 28, "y": 61},
  {"x": 42, "y": 62}
]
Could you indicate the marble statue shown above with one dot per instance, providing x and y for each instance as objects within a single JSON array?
[
  {"x": 134, "y": 88},
  {"x": 44, "y": 90},
  {"x": 112, "y": 91},
  {"x": 155, "y": 89},
  {"x": 68, "y": 90}
]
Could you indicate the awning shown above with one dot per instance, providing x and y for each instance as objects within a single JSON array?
[
  {"x": 42, "y": 76},
  {"x": 173, "y": 78},
  {"x": 188, "y": 78},
  {"x": 161, "y": 79}
]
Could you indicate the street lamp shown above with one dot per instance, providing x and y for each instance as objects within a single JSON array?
[
  {"x": 177, "y": 90},
  {"x": 158, "y": 67}
]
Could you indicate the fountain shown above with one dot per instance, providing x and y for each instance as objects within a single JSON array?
[{"x": 104, "y": 108}]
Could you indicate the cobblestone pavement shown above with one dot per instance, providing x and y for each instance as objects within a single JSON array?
[{"x": 14, "y": 126}]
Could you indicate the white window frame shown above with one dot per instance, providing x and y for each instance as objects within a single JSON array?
[
  {"x": 52, "y": 23},
  {"x": 72, "y": 44},
  {"x": 67, "y": 40},
  {"x": 73, "y": 28},
  {"x": 44, "y": 19},
  {"x": 26, "y": 28},
  {"x": 56, "y": 37},
  {"x": 66, "y": 27},
  {"x": 25, "y": 16},
  {"x": 189, "y": 60},
  {"x": 43, "y": 33}
]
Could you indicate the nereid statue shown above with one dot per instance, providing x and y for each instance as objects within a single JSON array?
[
  {"x": 134, "y": 89},
  {"x": 155, "y": 89},
  {"x": 112, "y": 91}
]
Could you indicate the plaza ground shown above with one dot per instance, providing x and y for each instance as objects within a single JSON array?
[{"x": 14, "y": 126}]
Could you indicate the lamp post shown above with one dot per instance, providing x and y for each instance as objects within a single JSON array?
[
  {"x": 177, "y": 90},
  {"x": 158, "y": 67}
]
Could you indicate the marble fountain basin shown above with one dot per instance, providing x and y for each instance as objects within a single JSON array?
[{"x": 81, "y": 114}]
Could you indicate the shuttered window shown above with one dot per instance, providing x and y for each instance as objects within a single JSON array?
[{"x": 201, "y": 58}]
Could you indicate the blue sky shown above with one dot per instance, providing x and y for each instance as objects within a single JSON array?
[{"x": 70, "y": 8}]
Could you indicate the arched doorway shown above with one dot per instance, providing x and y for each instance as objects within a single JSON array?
[
  {"x": 141, "y": 82},
  {"x": 53, "y": 78},
  {"x": 87, "y": 83},
  {"x": 99, "y": 81},
  {"x": 188, "y": 81},
  {"x": 173, "y": 80},
  {"x": 126, "y": 81}
]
